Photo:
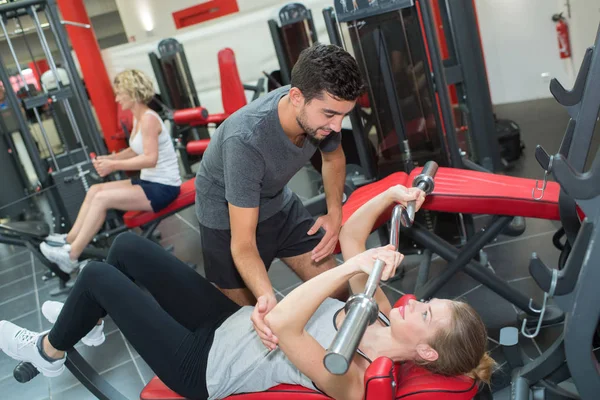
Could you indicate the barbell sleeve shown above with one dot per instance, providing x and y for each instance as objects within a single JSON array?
[
  {"x": 361, "y": 311},
  {"x": 423, "y": 181}
]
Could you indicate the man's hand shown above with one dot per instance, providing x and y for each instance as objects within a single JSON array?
[
  {"x": 331, "y": 224},
  {"x": 264, "y": 304},
  {"x": 103, "y": 166}
]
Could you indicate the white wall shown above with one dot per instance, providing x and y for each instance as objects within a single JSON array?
[
  {"x": 139, "y": 16},
  {"x": 583, "y": 26},
  {"x": 246, "y": 32},
  {"x": 520, "y": 45},
  {"x": 518, "y": 37}
]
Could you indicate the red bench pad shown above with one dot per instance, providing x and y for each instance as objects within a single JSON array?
[
  {"x": 465, "y": 191},
  {"x": 186, "y": 198},
  {"x": 469, "y": 192}
]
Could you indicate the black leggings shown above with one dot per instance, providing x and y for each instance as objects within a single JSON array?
[{"x": 172, "y": 330}]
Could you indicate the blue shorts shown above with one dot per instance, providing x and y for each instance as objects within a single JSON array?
[{"x": 159, "y": 195}]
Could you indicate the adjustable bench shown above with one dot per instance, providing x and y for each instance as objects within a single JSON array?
[
  {"x": 383, "y": 380},
  {"x": 469, "y": 192}
]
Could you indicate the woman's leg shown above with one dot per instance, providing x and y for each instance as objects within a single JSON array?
[
  {"x": 94, "y": 189},
  {"x": 125, "y": 198},
  {"x": 169, "y": 348},
  {"x": 163, "y": 274}
]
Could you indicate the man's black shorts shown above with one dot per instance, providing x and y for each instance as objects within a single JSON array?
[{"x": 282, "y": 235}]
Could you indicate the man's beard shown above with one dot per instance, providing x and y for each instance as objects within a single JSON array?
[{"x": 311, "y": 134}]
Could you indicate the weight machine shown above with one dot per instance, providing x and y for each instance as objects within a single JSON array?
[{"x": 62, "y": 178}]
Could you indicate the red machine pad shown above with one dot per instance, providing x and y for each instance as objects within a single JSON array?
[
  {"x": 191, "y": 116},
  {"x": 465, "y": 191},
  {"x": 232, "y": 89},
  {"x": 186, "y": 198},
  {"x": 197, "y": 147},
  {"x": 233, "y": 98},
  {"x": 469, "y": 192}
]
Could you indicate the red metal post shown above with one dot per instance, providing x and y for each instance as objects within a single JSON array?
[{"x": 94, "y": 72}]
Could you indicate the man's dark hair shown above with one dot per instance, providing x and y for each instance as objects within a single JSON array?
[{"x": 327, "y": 68}]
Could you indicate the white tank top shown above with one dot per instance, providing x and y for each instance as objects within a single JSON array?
[{"x": 166, "y": 170}]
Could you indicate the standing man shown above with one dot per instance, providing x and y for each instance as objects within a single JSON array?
[{"x": 247, "y": 214}]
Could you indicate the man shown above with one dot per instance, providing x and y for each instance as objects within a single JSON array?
[{"x": 247, "y": 214}]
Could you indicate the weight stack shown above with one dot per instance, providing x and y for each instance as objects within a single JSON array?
[{"x": 72, "y": 184}]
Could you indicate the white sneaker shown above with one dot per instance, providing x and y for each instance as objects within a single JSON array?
[
  {"x": 59, "y": 256},
  {"x": 56, "y": 239},
  {"x": 20, "y": 344},
  {"x": 95, "y": 337}
]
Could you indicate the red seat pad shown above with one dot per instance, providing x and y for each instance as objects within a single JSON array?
[
  {"x": 197, "y": 147},
  {"x": 186, "y": 198}
]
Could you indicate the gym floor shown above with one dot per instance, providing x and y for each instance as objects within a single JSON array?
[{"x": 22, "y": 291}]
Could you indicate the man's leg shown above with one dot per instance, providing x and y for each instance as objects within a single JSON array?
[
  {"x": 241, "y": 296},
  {"x": 220, "y": 268},
  {"x": 296, "y": 245},
  {"x": 306, "y": 269}
]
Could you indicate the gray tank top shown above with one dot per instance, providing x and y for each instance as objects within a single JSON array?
[{"x": 238, "y": 362}]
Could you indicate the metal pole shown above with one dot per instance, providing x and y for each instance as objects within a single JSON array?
[
  {"x": 79, "y": 91},
  {"x": 30, "y": 144},
  {"x": 21, "y": 4},
  {"x": 441, "y": 86},
  {"x": 59, "y": 83},
  {"x": 284, "y": 69},
  {"x": 35, "y": 110},
  {"x": 358, "y": 130}
]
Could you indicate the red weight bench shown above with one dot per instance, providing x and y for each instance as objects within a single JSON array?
[
  {"x": 383, "y": 380},
  {"x": 149, "y": 220},
  {"x": 232, "y": 96},
  {"x": 468, "y": 192}
]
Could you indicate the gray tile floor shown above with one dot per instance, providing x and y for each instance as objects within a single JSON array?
[{"x": 22, "y": 291}]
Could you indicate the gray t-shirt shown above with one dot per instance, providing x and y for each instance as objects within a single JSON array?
[
  {"x": 238, "y": 361},
  {"x": 249, "y": 161}
]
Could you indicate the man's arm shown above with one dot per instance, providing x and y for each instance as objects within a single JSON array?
[
  {"x": 243, "y": 222},
  {"x": 334, "y": 176}
]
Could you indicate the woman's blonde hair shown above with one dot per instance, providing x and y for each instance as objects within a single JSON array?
[
  {"x": 136, "y": 84},
  {"x": 461, "y": 346}
]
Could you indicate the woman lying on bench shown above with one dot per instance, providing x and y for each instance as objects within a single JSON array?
[
  {"x": 202, "y": 345},
  {"x": 150, "y": 151}
]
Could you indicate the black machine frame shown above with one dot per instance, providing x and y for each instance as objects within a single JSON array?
[
  {"x": 468, "y": 257},
  {"x": 289, "y": 14},
  {"x": 465, "y": 68}
]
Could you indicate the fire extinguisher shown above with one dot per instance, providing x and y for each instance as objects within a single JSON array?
[{"x": 562, "y": 33}]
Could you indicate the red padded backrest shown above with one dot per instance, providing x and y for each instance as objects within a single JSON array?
[{"x": 232, "y": 89}]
